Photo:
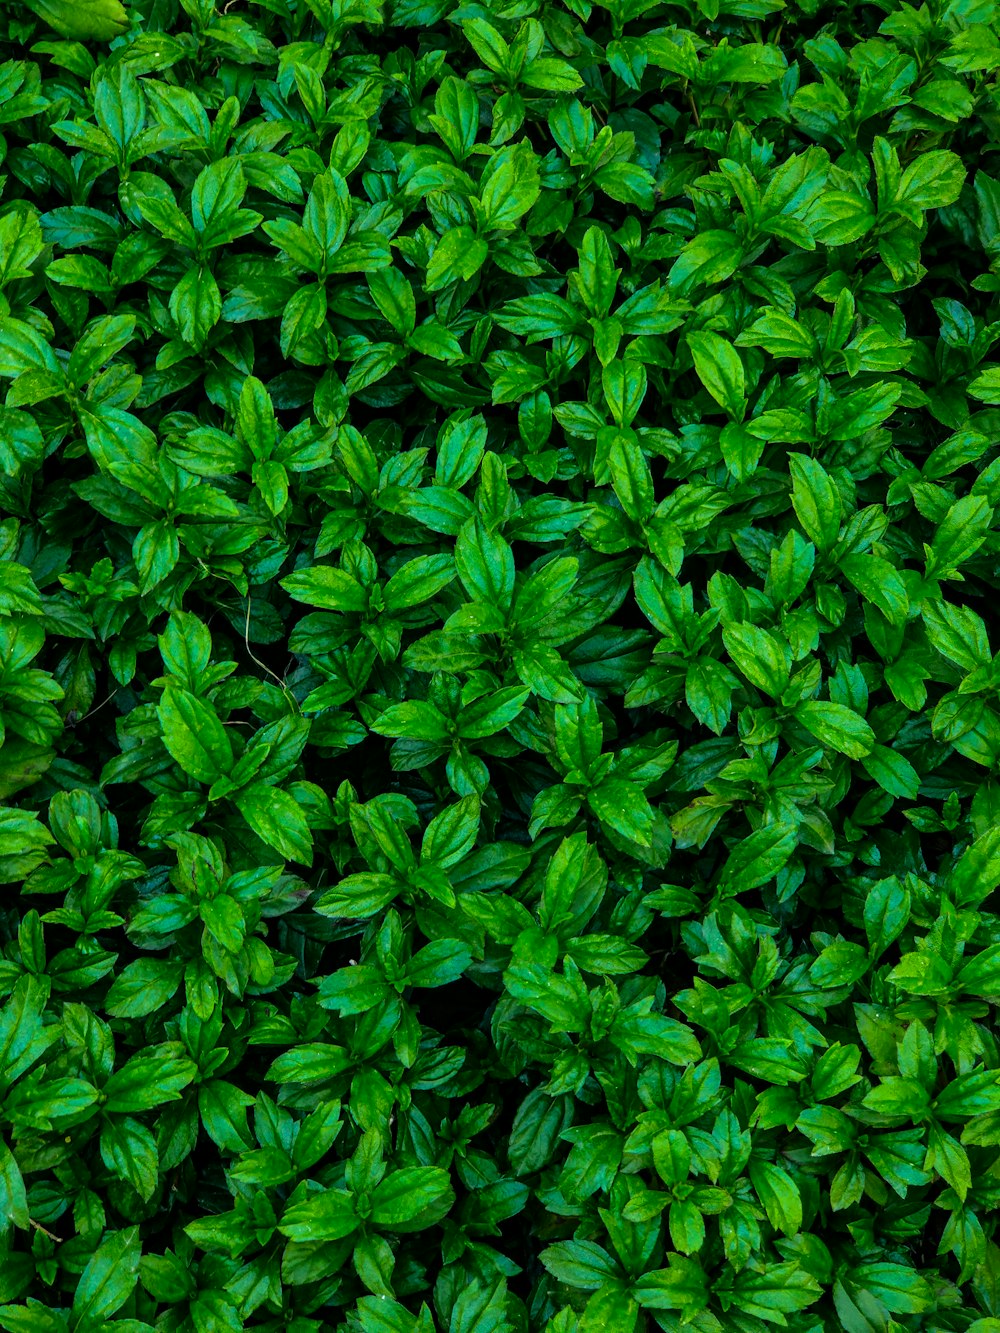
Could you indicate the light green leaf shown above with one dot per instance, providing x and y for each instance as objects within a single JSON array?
[
  {"x": 277, "y": 819},
  {"x": 193, "y": 735}
]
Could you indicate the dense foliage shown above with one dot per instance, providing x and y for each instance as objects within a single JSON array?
[{"x": 499, "y": 722}]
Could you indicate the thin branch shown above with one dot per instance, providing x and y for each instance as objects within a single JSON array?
[
  {"x": 99, "y": 706},
  {"x": 253, "y": 657},
  {"x": 45, "y": 1232}
]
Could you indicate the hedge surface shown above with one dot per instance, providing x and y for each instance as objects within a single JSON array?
[{"x": 499, "y": 724}]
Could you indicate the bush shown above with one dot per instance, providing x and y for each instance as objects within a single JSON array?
[{"x": 499, "y": 726}]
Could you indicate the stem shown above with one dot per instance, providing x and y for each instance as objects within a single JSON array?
[{"x": 38, "y": 1227}]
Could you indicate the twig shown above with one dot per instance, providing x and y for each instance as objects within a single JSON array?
[
  {"x": 45, "y": 1232},
  {"x": 251, "y": 654},
  {"x": 253, "y": 657},
  {"x": 98, "y": 708}
]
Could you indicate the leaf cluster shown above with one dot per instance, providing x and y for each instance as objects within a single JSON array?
[{"x": 499, "y": 821}]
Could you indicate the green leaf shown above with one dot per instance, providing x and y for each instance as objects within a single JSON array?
[
  {"x": 312, "y": 1062},
  {"x": 893, "y": 772},
  {"x": 412, "y": 1198},
  {"x": 779, "y": 1196},
  {"x": 961, "y": 533},
  {"x": 932, "y": 180},
  {"x": 353, "y": 990},
  {"x": 778, "y": 1290},
  {"x": 816, "y": 500},
  {"x": 682, "y": 1286},
  {"x": 758, "y": 858},
  {"x": 511, "y": 187},
  {"x": 498, "y": 689},
  {"x": 277, "y": 819},
  {"x": 143, "y": 987},
  {"x": 196, "y": 305},
  {"x": 986, "y": 385},
  {"x": 977, "y": 871},
  {"x": 611, "y": 1310},
  {"x": 708, "y": 258},
  {"x": 328, "y": 588},
  {"x": 327, "y": 1216},
  {"x": 720, "y": 370},
  {"x": 107, "y": 1280},
  {"x": 418, "y": 581},
  {"x": 129, "y": 1151},
  {"x": 623, "y": 806},
  {"x": 485, "y": 565},
  {"x": 886, "y": 912},
  {"x": 22, "y": 348},
  {"x": 580, "y": 1263},
  {"x": 880, "y": 583},
  {"x": 900, "y": 1289},
  {"x": 458, "y": 257},
  {"x": 838, "y": 727},
  {"x": 438, "y": 963},
  {"x": 491, "y": 713},
  {"x": 13, "y": 1197},
  {"x": 146, "y": 1082},
  {"x": 763, "y": 658},
  {"x": 193, "y": 735}
]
